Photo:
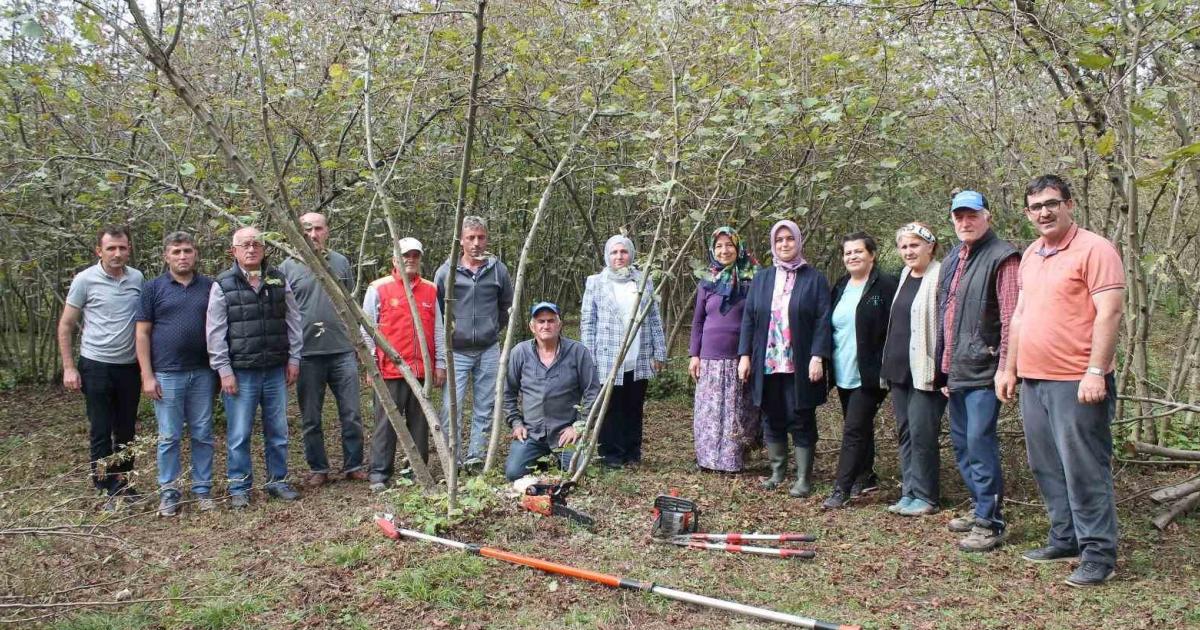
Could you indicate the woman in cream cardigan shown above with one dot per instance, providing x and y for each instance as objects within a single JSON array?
[{"x": 908, "y": 370}]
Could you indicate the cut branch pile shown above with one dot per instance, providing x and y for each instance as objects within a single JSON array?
[{"x": 1178, "y": 499}]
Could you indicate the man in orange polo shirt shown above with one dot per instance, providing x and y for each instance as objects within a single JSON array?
[
  {"x": 1064, "y": 336},
  {"x": 386, "y": 303}
]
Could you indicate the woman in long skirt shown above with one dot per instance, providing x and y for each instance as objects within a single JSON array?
[{"x": 725, "y": 422}]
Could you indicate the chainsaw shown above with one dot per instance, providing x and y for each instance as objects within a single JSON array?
[
  {"x": 549, "y": 498},
  {"x": 677, "y": 522}
]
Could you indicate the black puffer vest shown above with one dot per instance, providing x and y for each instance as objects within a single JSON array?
[
  {"x": 976, "y": 314},
  {"x": 257, "y": 333}
]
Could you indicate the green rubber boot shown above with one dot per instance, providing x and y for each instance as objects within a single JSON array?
[
  {"x": 777, "y": 454},
  {"x": 805, "y": 455}
]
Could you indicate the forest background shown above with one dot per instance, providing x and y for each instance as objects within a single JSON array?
[{"x": 661, "y": 119}]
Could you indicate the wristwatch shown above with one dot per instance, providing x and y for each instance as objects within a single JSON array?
[{"x": 1095, "y": 370}]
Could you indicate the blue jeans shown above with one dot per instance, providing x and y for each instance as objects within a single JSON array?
[
  {"x": 522, "y": 455},
  {"x": 340, "y": 372},
  {"x": 268, "y": 388},
  {"x": 973, "y": 416},
  {"x": 479, "y": 369},
  {"x": 187, "y": 399}
]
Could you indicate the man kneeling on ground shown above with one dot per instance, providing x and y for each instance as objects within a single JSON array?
[{"x": 553, "y": 375}]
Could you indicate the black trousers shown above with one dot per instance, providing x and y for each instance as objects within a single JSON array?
[
  {"x": 857, "y": 457},
  {"x": 383, "y": 439},
  {"x": 621, "y": 434},
  {"x": 111, "y": 393},
  {"x": 781, "y": 417}
]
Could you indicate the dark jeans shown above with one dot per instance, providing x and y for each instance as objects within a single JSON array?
[
  {"x": 621, "y": 434},
  {"x": 918, "y": 421},
  {"x": 973, "y": 416},
  {"x": 383, "y": 439},
  {"x": 859, "y": 406},
  {"x": 111, "y": 393},
  {"x": 340, "y": 373},
  {"x": 1070, "y": 453},
  {"x": 523, "y": 455},
  {"x": 780, "y": 416}
]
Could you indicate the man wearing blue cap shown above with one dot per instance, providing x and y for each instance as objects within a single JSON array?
[
  {"x": 554, "y": 377},
  {"x": 976, "y": 299}
]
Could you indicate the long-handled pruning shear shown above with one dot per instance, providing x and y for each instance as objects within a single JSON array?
[{"x": 677, "y": 521}]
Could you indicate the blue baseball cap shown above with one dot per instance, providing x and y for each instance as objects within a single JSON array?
[
  {"x": 968, "y": 200},
  {"x": 541, "y": 306}
]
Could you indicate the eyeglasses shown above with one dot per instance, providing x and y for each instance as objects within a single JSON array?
[
  {"x": 1051, "y": 205},
  {"x": 250, "y": 245}
]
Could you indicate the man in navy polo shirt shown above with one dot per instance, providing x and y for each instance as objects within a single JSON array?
[
  {"x": 173, "y": 354},
  {"x": 104, "y": 297}
]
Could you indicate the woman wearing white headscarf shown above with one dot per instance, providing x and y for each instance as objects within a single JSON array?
[
  {"x": 784, "y": 345},
  {"x": 609, "y": 303}
]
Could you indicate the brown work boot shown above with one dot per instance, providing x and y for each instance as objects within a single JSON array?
[
  {"x": 315, "y": 479},
  {"x": 983, "y": 539},
  {"x": 356, "y": 475}
]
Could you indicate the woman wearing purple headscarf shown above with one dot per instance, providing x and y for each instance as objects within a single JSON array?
[
  {"x": 724, "y": 422},
  {"x": 784, "y": 346}
]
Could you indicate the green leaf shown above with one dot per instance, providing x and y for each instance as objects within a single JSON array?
[
  {"x": 1187, "y": 151},
  {"x": 187, "y": 168},
  {"x": 1093, "y": 61},
  {"x": 30, "y": 28},
  {"x": 871, "y": 203},
  {"x": 1106, "y": 143},
  {"x": 889, "y": 163}
]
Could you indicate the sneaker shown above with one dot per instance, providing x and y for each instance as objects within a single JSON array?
[
  {"x": 982, "y": 539},
  {"x": 282, "y": 491},
  {"x": 961, "y": 524},
  {"x": 377, "y": 486},
  {"x": 1091, "y": 574},
  {"x": 899, "y": 505},
  {"x": 471, "y": 464},
  {"x": 1051, "y": 554},
  {"x": 836, "y": 501},
  {"x": 356, "y": 475},
  {"x": 918, "y": 507},
  {"x": 315, "y": 479},
  {"x": 168, "y": 504},
  {"x": 239, "y": 501},
  {"x": 205, "y": 503}
]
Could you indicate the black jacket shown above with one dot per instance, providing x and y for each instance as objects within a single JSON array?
[
  {"x": 870, "y": 322},
  {"x": 808, "y": 319}
]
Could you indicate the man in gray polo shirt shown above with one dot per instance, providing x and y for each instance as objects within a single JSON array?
[
  {"x": 105, "y": 297},
  {"x": 327, "y": 359},
  {"x": 553, "y": 376}
]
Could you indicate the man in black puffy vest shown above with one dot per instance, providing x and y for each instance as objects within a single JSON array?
[
  {"x": 977, "y": 295},
  {"x": 254, "y": 343}
]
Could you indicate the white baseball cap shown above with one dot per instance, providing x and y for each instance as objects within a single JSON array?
[{"x": 408, "y": 244}]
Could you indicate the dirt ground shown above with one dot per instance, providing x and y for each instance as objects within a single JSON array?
[{"x": 321, "y": 563}]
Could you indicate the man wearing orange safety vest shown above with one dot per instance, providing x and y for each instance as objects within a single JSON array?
[{"x": 386, "y": 303}]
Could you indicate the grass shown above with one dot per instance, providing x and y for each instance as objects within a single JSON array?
[{"x": 321, "y": 563}]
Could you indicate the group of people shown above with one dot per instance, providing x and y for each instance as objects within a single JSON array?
[
  {"x": 964, "y": 332},
  {"x": 766, "y": 346},
  {"x": 252, "y": 332}
]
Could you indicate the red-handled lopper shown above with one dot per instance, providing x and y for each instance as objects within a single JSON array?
[{"x": 386, "y": 523}]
